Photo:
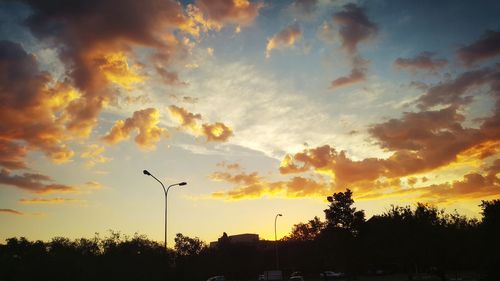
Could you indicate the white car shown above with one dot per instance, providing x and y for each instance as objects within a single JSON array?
[{"x": 331, "y": 274}]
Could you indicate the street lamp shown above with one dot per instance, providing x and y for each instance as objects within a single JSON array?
[
  {"x": 166, "y": 192},
  {"x": 276, "y": 240}
]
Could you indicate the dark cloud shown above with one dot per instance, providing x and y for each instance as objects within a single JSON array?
[
  {"x": 12, "y": 155},
  {"x": 357, "y": 75},
  {"x": 423, "y": 62},
  {"x": 355, "y": 27},
  {"x": 31, "y": 112},
  {"x": 454, "y": 92},
  {"x": 35, "y": 183},
  {"x": 488, "y": 46},
  {"x": 11, "y": 211}
]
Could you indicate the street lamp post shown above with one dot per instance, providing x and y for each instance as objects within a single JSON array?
[
  {"x": 165, "y": 191},
  {"x": 276, "y": 240}
]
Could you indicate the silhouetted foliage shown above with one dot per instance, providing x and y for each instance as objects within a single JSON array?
[
  {"x": 186, "y": 246},
  {"x": 306, "y": 231},
  {"x": 342, "y": 214},
  {"x": 404, "y": 239}
]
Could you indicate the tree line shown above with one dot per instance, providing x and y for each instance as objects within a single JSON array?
[{"x": 404, "y": 239}]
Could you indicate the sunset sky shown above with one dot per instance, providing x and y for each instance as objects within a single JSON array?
[{"x": 263, "y": 107}]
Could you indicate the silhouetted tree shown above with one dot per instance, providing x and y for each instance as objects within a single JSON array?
[
  {"x": 341, "y": 213},
  {"x": 186, "y": 246},
  {"x": 490, "y": 229},
  {"x": 306, "y": 231}
]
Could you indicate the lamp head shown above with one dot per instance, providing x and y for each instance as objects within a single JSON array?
[
  {"x": 146, "y": 172},
  {"x": 182, "y": 183},
  {"x": 280, "y": 215}
]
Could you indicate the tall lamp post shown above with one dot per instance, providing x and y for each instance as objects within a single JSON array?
[
  {"x": 166, "y": 193},
  {"x": 276, "y": 240}
]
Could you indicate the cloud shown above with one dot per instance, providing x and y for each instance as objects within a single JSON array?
[
  {"x": 50, "y": 201},
  {"x": 420, "y": 142},
  {"x": 241, "y": 178},
  {"x": 169, "y": 77},
  {"x": 357, "y": 75},
  {"x": 95, "y": 41},
  {"x": 12, "y": 155},
  {"x": 355, "y": 27},
  {"x": 251, "y": 185},
  {"x": 32, "y": 112},
  {"x": 187, "y": 119},
  {"x": 474, "y": 185},
  {"x": 238, "y": 12},
  {"x": 304, "y": 9},
  {"x": 326, "y": 32},
  {"x": 216, "y": 132},
  {"x": 423, "y": 61},
  {"x": 93, "y": 185},
  {"x": 145, "y": 122},
  {"x": 297, "y": 187},
  {"x": 454, "y": 92},
  {"x": 35, "y": 183},
  {"x": 11, "y": 211},
  {"x": 286, "y": 38},
  {"x": 488, "y": 46},
  {"x": 93, "y": 155},
  {"x": 115, "y": 67}
]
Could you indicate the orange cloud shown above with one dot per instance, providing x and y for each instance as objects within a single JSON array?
[
  {"x": 35, "y": 183},
  {"x": 488, "y": 46},
  {"x": 12, "y": 155},
  {"x": 187, "y": 119},
  {"x": 32, "y": 113},
  {"x": 423, "y": 61},
  {"x": 93, "y": 155},
  {"x": 238, "y": 12},
  {"x": 50, "y": 201},
  {"x": 145, "y": 122},
  {"x": 96, "y": 41},
  {"x": 241, "y": 178},
  {"x": 11, "y": 211},
  {"x": 251, "y": 185},
  {"x": 217, "y": 132},
  {"x": 286, "y": 38},
  {"x": 424, "y": 141},
  {"x": 295, "y": 188},
  {"x": 116, "y": 69}
]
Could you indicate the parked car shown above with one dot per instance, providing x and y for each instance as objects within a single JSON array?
[
  {"x": 331, "y": 275},
  {"x": 217, "y": 278},
  {"x": 296, "y": 278},
  {"x": 272, "y": 275}
]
